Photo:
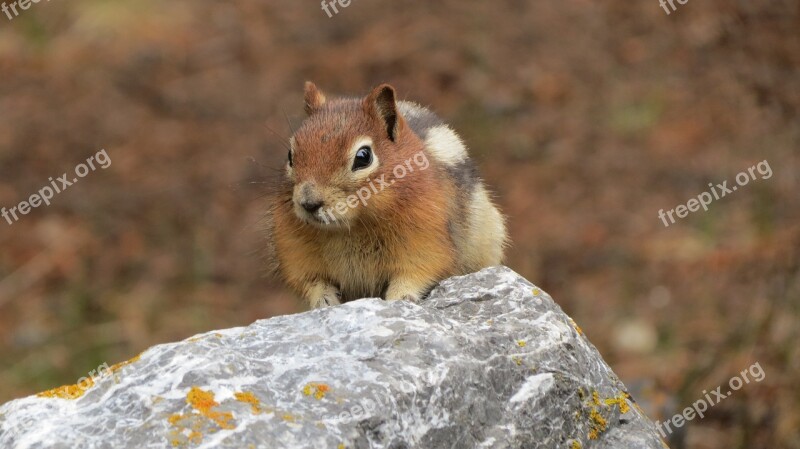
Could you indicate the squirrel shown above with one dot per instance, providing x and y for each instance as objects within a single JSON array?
[{"x": 379, "y": 199}]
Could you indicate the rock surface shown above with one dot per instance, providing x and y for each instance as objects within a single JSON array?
[{"x": 487, "y": 361}]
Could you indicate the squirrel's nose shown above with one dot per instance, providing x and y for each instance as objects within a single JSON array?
[{"x": 311, "y": 206}]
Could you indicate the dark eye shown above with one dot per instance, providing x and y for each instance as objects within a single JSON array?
[
  {"x": 363, "y": 158},
  {"x": 290, "y": 158}
]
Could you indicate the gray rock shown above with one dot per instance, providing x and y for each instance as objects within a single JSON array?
[{"x": 487, "y": 361}]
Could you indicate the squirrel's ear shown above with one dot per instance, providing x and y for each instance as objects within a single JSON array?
[
  {"x": 314, "y": 98},
  {"x": 382, "y": 105}
]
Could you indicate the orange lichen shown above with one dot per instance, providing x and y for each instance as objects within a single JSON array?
[
  {"x": 77, "y": 390},
  {"x": 575, "y": 325},
  {"x": 203, "y": 402},
  {"x": 316, "y": 389},
  {"x": 195, "y": 436},
  {"x": 185, "y": 423},
  {"x": 174, "y": 418},
  {"x": 200, "y": 400},
  {"x": 249, "y": 398},
  {"x": 68, "y": 391},
  {"x": 203, "y": 413},
  {"x": 119, "y": 366},
  {"x": 289, "y": 418}
]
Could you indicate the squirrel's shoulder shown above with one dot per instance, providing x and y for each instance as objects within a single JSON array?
[{"x": 442, "y": 143}]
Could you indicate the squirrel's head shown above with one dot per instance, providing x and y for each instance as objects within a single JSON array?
[{"x": 344, "y": 158}]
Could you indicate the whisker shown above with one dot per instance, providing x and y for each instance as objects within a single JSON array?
[
  {"x": 284, "y": 141},
  {"x": 288, "y": 122}
]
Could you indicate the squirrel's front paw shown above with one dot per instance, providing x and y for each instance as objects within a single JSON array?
[
  {"x": 323, "y": 295},
  {"x": 407, "y": 297},
  {"x": 402, "y": 291}
]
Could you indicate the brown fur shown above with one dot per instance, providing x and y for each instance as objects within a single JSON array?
[{"x": 396, "y": 246}]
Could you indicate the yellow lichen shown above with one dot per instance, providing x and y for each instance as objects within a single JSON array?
[
  {"x": 316, "y": 389},
  {"x": 517, "y": 360},
  {"x": 521, "y": 343},
  {"x": 289, "y": 418},
  {"x": 249, "y": 398},
  {"x": 598, "y": 424},
  {"x": 340, "y": 446},
  {"x": 621, "y": 401},
  {"x": 536, "y": 292},
  {"x": 575, "y": 444}
]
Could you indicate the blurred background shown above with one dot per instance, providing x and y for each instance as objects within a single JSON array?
[{"x": 586, "y": 119}]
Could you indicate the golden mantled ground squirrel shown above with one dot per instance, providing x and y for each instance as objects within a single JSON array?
[{"x": 379, "y": 198}]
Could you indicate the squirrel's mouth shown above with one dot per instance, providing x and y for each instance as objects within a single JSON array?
[{"x": 322, "y": 219}]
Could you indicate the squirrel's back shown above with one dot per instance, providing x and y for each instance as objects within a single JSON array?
[{"x": 476, "y": 226}]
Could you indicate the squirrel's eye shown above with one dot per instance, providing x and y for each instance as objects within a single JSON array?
[
  {"x": 363, "y": 158},
  {"x": 290, "y": 158}
]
